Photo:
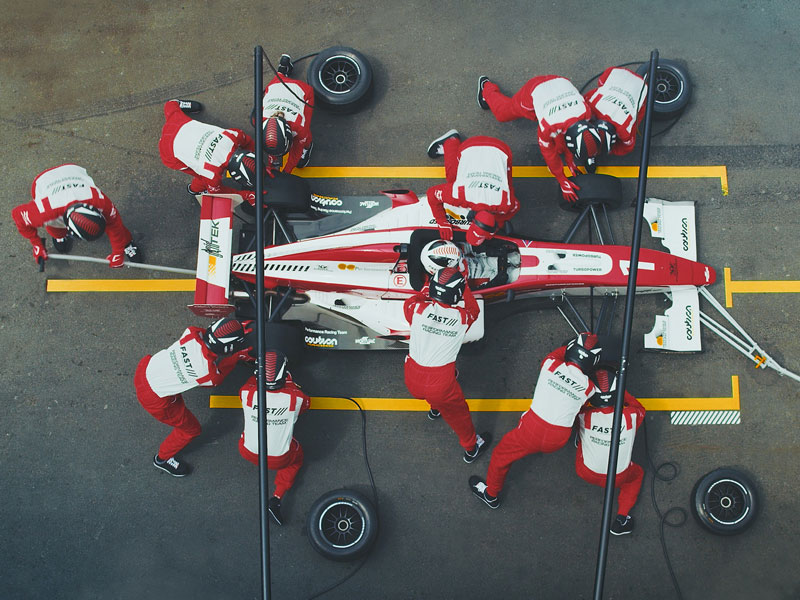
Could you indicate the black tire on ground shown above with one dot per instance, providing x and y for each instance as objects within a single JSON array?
[
  {"x": 342, "y": 525},
  {"x": 725, "y": 501},
  {"x": 284, "y": 336},
  {"x": 341, "y": 78},
  {"x": 673, "y": 88},
  {"x": 594, "y": 189},
  {"x": 287, "y": 192}
]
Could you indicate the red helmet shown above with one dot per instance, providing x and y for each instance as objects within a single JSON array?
[
  {"x": 276, "y": 369},
  {"x": 242, "y": 167},
  {"x": 85, "y": 221},
  {"x": 447, "y": 286},
  {"x": 225, "y": 336},
  {"x": 606, "y": 381},
  {"x": 584, "y": 351},
  {"x": 277, "y": 136},
  {"x": 483, "y": 227},
  {"x": 585, "y": 142},
  {"x": 439, "y": 254}
]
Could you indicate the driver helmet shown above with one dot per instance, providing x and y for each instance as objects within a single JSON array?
[
  {"x": 585, "y": 142},
  {"x": 277, "y": 135},
  {"x": 439, "y": 254},
  {"x": 242, "y": 167},
  {"x": 276, "y": 369},
  {"x": 85, "y": 221},
  {"x": 447, "y": 286},
  {"x": 483, "y": 227},
  {"x": 606, "y": 381},
  {"x": 584, "y": 351},
  {"x": 225, "y": 336}
]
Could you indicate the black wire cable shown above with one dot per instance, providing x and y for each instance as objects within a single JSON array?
[
  {"x": 374, "y": 499},
  {"x": 677, "y": 513},
  {"x": 278, "y": 75}
]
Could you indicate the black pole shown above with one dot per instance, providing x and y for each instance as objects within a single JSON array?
[
  {"x": 263, "y": 472},
  {"x": 608, "y": 500}
]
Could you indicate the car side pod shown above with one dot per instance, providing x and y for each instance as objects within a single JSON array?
[{"x": 401, "y": 197}]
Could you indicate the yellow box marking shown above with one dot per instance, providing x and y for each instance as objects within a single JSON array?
[
  {"x": 756, "y": 287},
  {"x": 518, "y": 405},
  {"x": 120, "y": 285}
]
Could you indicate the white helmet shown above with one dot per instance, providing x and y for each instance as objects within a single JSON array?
[{"x": 439, "y": 254}]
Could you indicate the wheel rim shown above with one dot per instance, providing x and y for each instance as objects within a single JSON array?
[
  {"x": 727, "y": 502},
  {"x": 342, "y": 524},
  {"x": 339, "y": 74},
  {"x": 668, "y": 87}
]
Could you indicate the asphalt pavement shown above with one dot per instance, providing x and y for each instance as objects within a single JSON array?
[{"x": 83, "y": 513}]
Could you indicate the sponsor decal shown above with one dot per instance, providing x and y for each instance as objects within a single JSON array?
[
  {"x": 212, "y": 144},
  {"x": 561, "y": 106},
  {"x": 685, "y": 233},
  {"x": 569, "y": 381},
  {"x": 400, "y": 281},
  {"x": 326, "y": 200},
  {"x": 442, "y": 319},
  {"x": 321, "y": 342},
  {"x": 687, "y": 322},
  {"x": 211, "y": 245},
  {"x": 325, "y": 331},
  {"x": 369, "y": 203},
  {"x": 365, "y": 341}
]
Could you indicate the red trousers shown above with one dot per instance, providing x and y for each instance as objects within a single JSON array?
[
  {"x": 439, "y": 388},
  {"x": 531, "y": 436},
  {"x": 504, "y": 108},
  {"x": 170, "y": 411},
  {"x": 287, "y": 465},
  {"x": 629, "y": 482}
]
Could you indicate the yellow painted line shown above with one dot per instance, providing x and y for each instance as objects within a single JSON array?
[
  {"x": 517, "y": 405},
  {"x": 120, "y": 285},
  {"x": 675, "y": 172},
  {"x": 756, "y": 287}
]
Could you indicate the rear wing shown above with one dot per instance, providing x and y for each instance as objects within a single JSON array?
[{"x": 212, "y": 280}]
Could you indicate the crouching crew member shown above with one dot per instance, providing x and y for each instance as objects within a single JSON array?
[
  {"x": 618, "y": 101},
  {"x": 438, "y": 327},
  {"x": 201, "y": 357},
  {"x": 594, "y": 441},
  {"x": 68, "y": 204},
  {"x": 285, "y": 403},
  {"x": 561, "y": 390}
]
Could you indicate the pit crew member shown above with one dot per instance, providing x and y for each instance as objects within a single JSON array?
[
  {"x": 68, "y": 204},
  {"x": 561, "y": 390},
  {"x": 567, "y": 136},
  {"x": 594, "y": 440},
  {"x": 286, "y": 119},
  {"x": 438, "y": 326},
  {"x": 285, "y": 403},
  {"x": 478, "y": 173},
  {"x": 200, "y": 357},
  {"x": 618, "y": 101}
]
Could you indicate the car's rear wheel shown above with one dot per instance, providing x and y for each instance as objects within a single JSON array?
[
  {"x": 341, "y": 78},
  {"x": 595, "y": 189}
]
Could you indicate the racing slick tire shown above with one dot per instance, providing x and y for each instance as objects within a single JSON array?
[
  {"x": 673, "y": 88},
  {"x": 342, "y": 525},
  {"x": 594, "y": 189},
  {"x": 341, "y": 78},
  {"x": 724, "y": 501}
]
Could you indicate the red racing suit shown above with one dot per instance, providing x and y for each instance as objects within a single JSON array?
[
  {"x": 555, "y": 103},
  {"x": 478, "y": 173},
  {"x": 297, "y": 114},
  {"x": 200, "y": 149},
  {"x": 594, "y": 441},
  {"x": 561, "y": 391},
  {"x": 161, "y": 379},
  {"x": 437, "y": 331},
  {"x": 284, "y": 453},
  {"x": 53, "y": 191},
  {"x": 619, "y": 98}
]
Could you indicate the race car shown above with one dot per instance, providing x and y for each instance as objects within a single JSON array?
[{"x": 348, "y": 263}]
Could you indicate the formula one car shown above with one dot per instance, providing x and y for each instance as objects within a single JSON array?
[{"x": 342, "y": 266}]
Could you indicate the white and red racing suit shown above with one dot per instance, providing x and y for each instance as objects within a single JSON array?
[
  {"x": 437, "y": 331},
  {"x": 478, "y": 173},
  {"x": 594, "y": 442},
  {"x": 619, "y": 98},
  {"x": 552, "y": 100},
  {"x": 53, "y": 191},
  {"x": 284, "y": 453},
  {"x": 297, "y": 112},
  {"x": 200, "y": 149},
  {"x": 161, "y": 379},
  {"x": 561, "y": 391}
]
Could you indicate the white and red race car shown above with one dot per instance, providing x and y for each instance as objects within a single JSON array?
[{"x": 349, "y": 263}]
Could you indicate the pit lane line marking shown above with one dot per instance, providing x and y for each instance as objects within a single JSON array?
[
  {"x": 519, "y": 405},
  {"x": 120, "y": 285},
  {"x": 676, "y": 172},
  {"x": 756, "y": 287}
]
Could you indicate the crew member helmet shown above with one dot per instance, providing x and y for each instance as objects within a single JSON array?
[
  {"x": 585, "y": 142},
  {"x": 225, "y": 336},
  {"x": 608, "y": 135},
  {"x": 85, "y": 221},
  {"x": 584, "y": 351},
  {"x": 483, "y": 227},
  {"x": 276, "y": 369},
  {"x": 606, "y": 381},
  {"x": 242, "y": 167},
  {"x": 439, "y": 254},
  {"x": 447, "y": 286},
  {"x": 277, "y": 135}
]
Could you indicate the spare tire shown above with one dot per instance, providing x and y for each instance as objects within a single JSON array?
[
  {"x": 342, "y": 525},
  {"x": 594, "y": 189},
  {"x": 672, "y": 86},
  {"x": 341, "y": 78},
  {"x": 724, "y": 501}
]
